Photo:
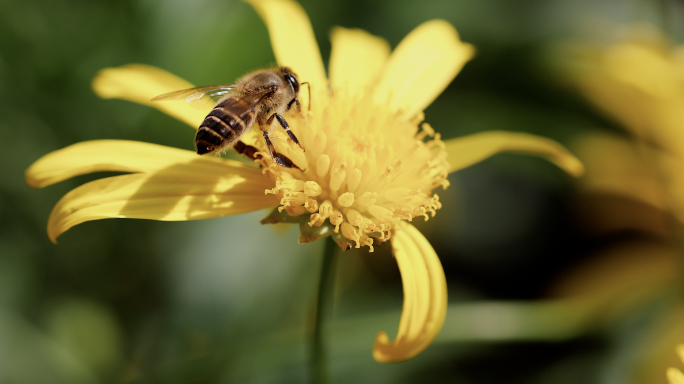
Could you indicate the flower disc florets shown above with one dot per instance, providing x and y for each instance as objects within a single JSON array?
[{"x": 366, "y": 167}]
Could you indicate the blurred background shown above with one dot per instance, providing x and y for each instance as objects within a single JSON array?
[{"x": 551, "y": 280}]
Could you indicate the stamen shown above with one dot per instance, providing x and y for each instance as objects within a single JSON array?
[
  {"x": 320, "y": 140},
  {"x": 294, "y": 198},
  {"x": 427, "y": 131},
  {"x": 380, "y": 213},
  {"x": 386, "y": 153},
  {"x": 399, "y": 195},
  {"x": 354, "y": 179},
  {"x": 324, "y": 212},
  {"x": 366, "y": 199},
  {"x": 336, "y": 219},
  {"x": 386, "y": 175},
  {"x": 322, "y": 165},
  {"x": 311, "y": 205},
  {"x": 369, "y": 168},
  {"x": 346, "y": 199},
  {"x": 292, "y": 184},
  {"x": 334, "y": 150},
  {"x": 350, "y": 233},
  {"x": 294, "y": 211},
  {"x": 420, "y": 116},
  {"x": 355, "y": 218},
  {"x": 337, "y": 178},
  {"x": 311, "y": 188},
  {"x": 365, "y": 240},
  {"x": 340, "y": 162}
]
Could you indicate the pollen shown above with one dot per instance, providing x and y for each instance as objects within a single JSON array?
[{"x": 366, "y": 167}]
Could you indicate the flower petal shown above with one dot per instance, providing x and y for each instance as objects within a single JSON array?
[
  {"x": 422, "y": 66},
  {"x": 675, "y": 376},
  {"x": 468, "y": 150},
  {"x": 425, "y": 297},
  {"x": 140, "y": 83},
  {"x": 186, "y": 190},
  {"x": 356, "y": 58},
  {"x": 293, "y": 41},
  {"x": 617, "y": 166},
  {"x": 104, "y": 155}
]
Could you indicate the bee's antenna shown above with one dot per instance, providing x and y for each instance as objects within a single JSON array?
[{"x": 308, "y": 86}]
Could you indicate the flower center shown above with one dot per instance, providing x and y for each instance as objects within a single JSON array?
[
  {"x": 359, "y": 146},
  {"x": 366, "y": 167}
]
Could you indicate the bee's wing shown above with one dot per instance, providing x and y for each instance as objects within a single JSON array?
[
  {"x": 240, "y": 105},
  {"x": 251, "y": 100},
  {"x": 199, "y": 97}
]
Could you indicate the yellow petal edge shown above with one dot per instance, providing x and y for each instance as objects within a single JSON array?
[
  {"x": 468, "y": 150},
  {"x": 197, "y": 189},
  {"x": 356, "y": 58},
  {"x": 425, "y": 297},
  {"x": 422, "y": 66},
  {"x": 104, "y": 155},
  {"x": 675, "y": 376},
  {"x": 140, "y": 83},
  {"x": 680, "y": 351}
]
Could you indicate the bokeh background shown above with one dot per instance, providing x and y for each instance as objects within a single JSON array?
[{"x": 549, "y": 281}]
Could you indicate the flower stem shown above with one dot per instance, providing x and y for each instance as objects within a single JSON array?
[{"x": 319, "y": 368}]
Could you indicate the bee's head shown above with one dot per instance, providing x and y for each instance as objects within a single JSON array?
[{"x": 291, "y": 79}]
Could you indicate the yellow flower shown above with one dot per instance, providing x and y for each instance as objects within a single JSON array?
[
  {"x": 637, "y": 80},
  {"x": 674, "y": 375},
  {"x": 368, "y": 167}
]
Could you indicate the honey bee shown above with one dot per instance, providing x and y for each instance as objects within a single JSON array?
[{"x": 260, "y": 96}]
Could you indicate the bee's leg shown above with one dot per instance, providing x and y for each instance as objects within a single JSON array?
[
  {"x": 283, "y": 123},
  {"x": 247, "y": 150},
  {"x": 278, "y": 157}
]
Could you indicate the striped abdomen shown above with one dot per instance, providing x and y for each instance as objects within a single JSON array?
[{"x": 224, "y": 125}]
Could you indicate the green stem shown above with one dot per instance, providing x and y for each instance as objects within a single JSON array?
[{"x": 319, "y": 368}]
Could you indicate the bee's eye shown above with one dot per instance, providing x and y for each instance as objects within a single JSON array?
[{"x": 293, "y": 82}]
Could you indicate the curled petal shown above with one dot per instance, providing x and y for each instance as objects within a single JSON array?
[
  {"x": 105, "y": 155},
  {"x": 425, "y": 297},
  {"x": 192, "y": 190},
  {"x": 356, "y": 58},
  {"x": 293, "y": 41},
  {"x": 468, "y": 150},
  {"x": 422, "y": 66},
  {"x": 140, "y": 83}
]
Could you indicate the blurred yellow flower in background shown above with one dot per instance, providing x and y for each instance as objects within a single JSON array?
[
  {"x": 634, "y": 182},
  {"x": 674, "y": 375},
  {"x": 368, "y": 168},
  {"x": 638, "y": 80}
]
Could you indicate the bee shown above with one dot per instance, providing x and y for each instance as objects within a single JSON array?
[{"x": 260, "y": 96}]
